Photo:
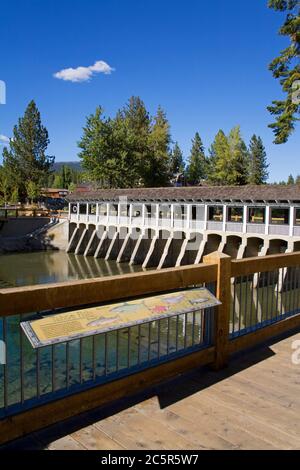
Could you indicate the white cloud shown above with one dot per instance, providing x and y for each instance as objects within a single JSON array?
[
  {"x": 4, "y": 140},
  {"x": 83, "y": 74}
]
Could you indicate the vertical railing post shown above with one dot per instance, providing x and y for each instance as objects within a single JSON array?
[
  {"x": 205, "y": 216},
  {"x": 267, "y": 221},
  {"x": 224, "y": 221},
  {"x": 245, "y": 218},
  {"x": 97, "y": 213},
  {"x": 172, "y": 216},
  {"x": 223, "y": 293},
  {"x": 292, "y": 221},
  {"x": 157, "y": 215},
  {"x": 119, "y": 213}
]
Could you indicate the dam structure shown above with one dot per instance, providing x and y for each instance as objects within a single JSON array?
[{"x": 177, "y": 226}]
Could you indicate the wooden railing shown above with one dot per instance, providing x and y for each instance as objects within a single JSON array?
[{"x": 54, "y": 398}]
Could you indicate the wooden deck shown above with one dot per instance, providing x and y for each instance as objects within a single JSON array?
[{"x": 253, "y": 404}]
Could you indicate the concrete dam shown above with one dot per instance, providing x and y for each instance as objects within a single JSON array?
[{"x": 164, "y": 227}]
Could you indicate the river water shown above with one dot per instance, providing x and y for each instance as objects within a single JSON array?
[{"x": 23, "y": 269}]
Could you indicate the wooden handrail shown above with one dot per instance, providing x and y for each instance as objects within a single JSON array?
[
  {"x": 261, "y": 264},
  {"x": 38, "y": 298},
  {"x": 26, "y": 299}
]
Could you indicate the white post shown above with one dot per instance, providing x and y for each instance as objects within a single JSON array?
[
  {"x": 78, "y": 211},
  {"x": 87, "y": 211},
  {"x": 119, "y": 213},
  {"x": 172, "y": 215},
  {"x": 292, "y": 220},
  {"x": 205, "y": 216},
  {"x": 157, "y": 215},
  {"x": 188, "y": 216},
  {"x": 107, "y": 213},
  {"x": 245, "y": 219},
  {"x": 69, "y": 211},
  {"x": 130, "y": 213},
  {"x": 97, "y": 212},
  {"x": 143, "y": 214},
  {"x": 224, "y": 217},
  {"x": 267, "y": 222}
]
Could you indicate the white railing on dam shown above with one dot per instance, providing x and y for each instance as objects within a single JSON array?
[
  {"x": 234, "y": 227},
  {"x": 278, "y": 230},
  {"x": 199, "y": 225},
  {"x": 256, "y": 228},
  {"x": 296, "y": 231},
  {"x": 212, "y": 225}
]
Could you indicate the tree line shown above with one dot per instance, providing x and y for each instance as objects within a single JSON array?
[
  {"x": 65, "y": 178},
  {"x": 131, "y": 149},
  {"x": 290, "y": 181},
  {"x": 135, "y": 149}
]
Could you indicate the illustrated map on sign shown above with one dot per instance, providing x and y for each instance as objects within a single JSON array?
[{"x": 75, "y": 324}]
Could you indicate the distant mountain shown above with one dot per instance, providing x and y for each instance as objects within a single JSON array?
[{"x": 74, "y": 165}]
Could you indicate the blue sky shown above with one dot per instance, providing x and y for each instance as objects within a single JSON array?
[{"x": 204, "y": 62}]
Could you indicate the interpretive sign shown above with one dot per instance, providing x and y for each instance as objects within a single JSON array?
[{"x": 90, "y": 321}]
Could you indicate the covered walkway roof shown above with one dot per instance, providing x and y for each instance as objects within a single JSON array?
[{"x": 247, "y": 194}]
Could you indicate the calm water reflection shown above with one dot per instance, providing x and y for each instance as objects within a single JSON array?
[{"x": 22, "y": 269}]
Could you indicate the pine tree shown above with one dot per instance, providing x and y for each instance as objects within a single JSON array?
[
  {"x": 14, "y": 197},
  {"x": 239, "y": 159},
  {"x": 134, "y": 126},
  {"x": 219, "y": 161},
  {"x": 286, "y": 68},
  {"x": 4, "y": 186},
  {"x": 197, "y": 164},
  {"x": 33, "y": 190},
  {"x": 98, "y": 159},
  {"x": 229, "y": 161},
  {"x": 66, "y": 176},
  {"x": 156, "y": 169},
  {"x": 290, "y": 180},
  {"x": 121, "y": 152},
  {"x": 298, "y": 179},
  {"x": 176, "y": 161},
  {"x": 57, "y": 182},
  {"x": 27, "y": 160},
  {"x": 258, "y": 166}
]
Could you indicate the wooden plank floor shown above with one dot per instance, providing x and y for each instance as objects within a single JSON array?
[{"x": 253, "y": 404}]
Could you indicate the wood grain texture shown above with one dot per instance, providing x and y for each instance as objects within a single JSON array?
[
  {"x": 28, "y": 299},
  {"x": 261, "y": 264},
  {"x": 252, "y": 404},
  {"x": 37, "y": 418},
  {"x": 222, "y": 316},
  {"x": 259, "y": 336}
]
